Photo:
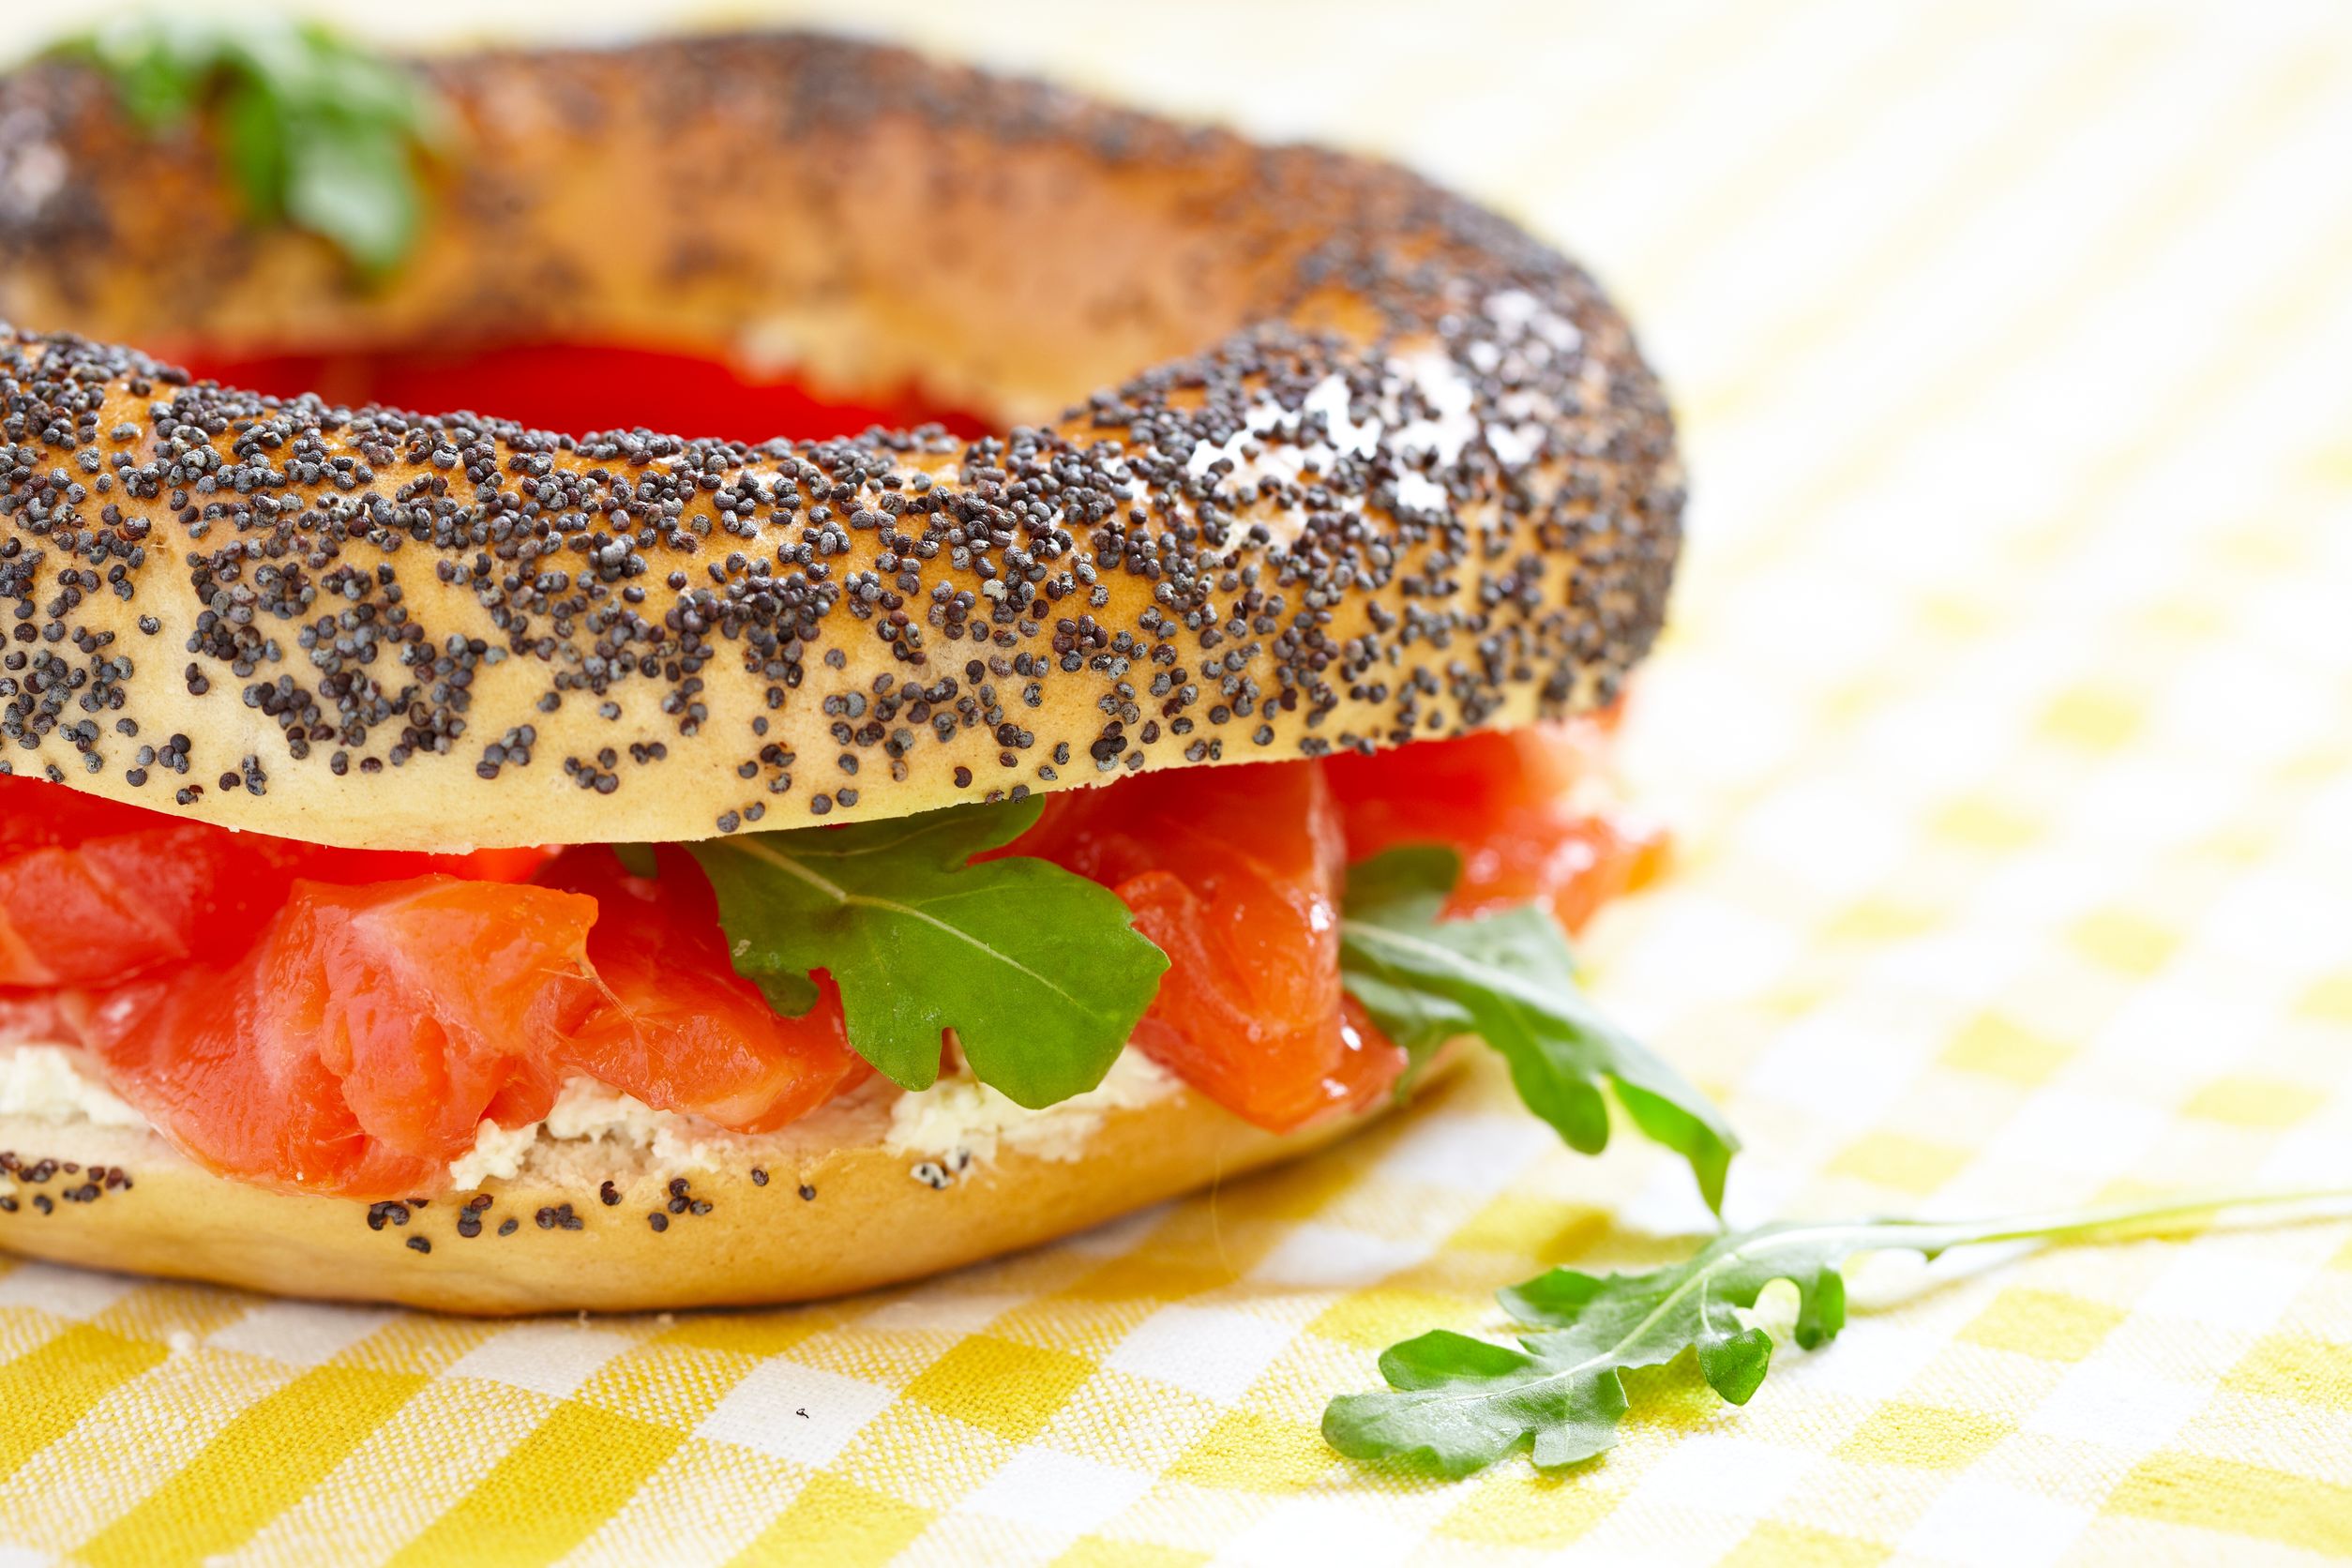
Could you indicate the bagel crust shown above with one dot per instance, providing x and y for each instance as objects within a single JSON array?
[
  {"x": 784, "y": 1218},
  {"x": 1371, "y": 464}
]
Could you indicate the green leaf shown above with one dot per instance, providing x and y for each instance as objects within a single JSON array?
[
  {"x": 314, "y": 131},
  {"x": 253, "y": 147},
  {"x": 348, "y": 183},
  {"x": 1456, "y": 1403},
  {"x": 1510, "y": 979},
  {"x": 1039, "y": 971}
]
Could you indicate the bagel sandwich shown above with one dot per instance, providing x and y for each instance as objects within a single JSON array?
[{"x": 475, "y": 861}]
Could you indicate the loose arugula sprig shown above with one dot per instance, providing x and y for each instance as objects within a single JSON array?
[
  {"x": 315, "y": 131},
  {"x": 1456, "y": 1403},
  {"x": 1039, "y": 971},
  {"x": 1509, "y": 979}
]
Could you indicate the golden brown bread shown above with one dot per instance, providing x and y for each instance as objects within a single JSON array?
[
  {"x": 1371, "y": 463},
  {"x": 114, "y": 1199}
]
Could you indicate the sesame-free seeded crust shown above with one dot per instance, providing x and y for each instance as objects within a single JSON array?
[
  {"x": 1396, "y": 468},
  {"x": 783, "y": 1218}
]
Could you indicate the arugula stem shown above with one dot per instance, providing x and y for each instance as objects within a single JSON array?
[
  {"x": 2087, "y": 1224},
  {"x": 2060, "y": 1225},
  {"x": 754, "y": 850},
  {"x": 1932, "y": 1236}
]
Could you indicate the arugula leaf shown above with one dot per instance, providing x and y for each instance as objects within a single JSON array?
[
  {"x": 1509, "y": 978},
  {"x": 1039, "y": 971},
  {"x": 1460, "y": 1402},
  {"x": 353, "y": 185},
  {"x": 314, "y": 130},
  {"x": 1456, "y": 1403}
]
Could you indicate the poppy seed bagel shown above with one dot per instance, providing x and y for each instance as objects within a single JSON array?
[{"x": 1312, "y": 456}]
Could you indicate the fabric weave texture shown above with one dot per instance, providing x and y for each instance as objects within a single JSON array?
[{"x": 2006, "y": 723}]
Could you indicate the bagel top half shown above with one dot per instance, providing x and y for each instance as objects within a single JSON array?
[{"x": 1314, "y": 456}]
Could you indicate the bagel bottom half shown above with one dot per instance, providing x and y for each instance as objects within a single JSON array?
[{"x": 821, "y": 1209}]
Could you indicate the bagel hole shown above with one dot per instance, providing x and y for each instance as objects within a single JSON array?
[{"x": 576, "y": 388}]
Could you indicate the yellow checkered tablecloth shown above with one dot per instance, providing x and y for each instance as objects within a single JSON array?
[{"x": 2008, "y": 722}]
